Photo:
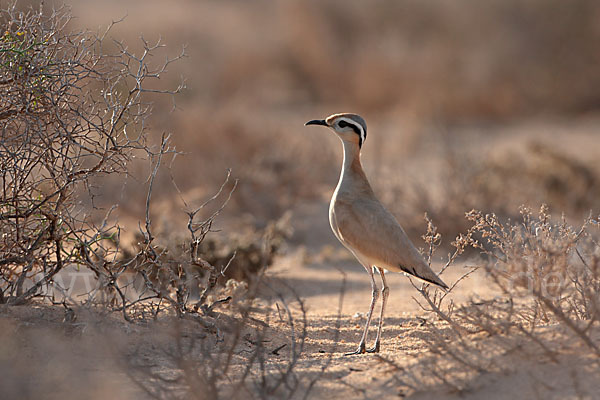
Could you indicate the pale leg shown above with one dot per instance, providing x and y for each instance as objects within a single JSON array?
[
  {"x": 374, "y": 294},
  {"x": 385, "y": 291}
]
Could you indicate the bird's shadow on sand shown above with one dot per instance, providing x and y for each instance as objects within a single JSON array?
[{"x": 311, "y": 287}]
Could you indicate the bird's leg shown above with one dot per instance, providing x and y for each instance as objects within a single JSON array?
[
  {"x": 385, "y": 291},
  {"x": 374, "y": 294}
]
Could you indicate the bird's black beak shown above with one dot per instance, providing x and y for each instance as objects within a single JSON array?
[{"x": 316, "y": 122}]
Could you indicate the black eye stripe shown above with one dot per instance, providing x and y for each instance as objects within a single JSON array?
[
  {"x": 344, "y": 124},
  {"x": 356, "y": 128}
]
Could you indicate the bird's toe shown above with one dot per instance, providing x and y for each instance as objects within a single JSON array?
[
  {"x": 360, "y": 350},
  {"x": 374, "y": 349}
]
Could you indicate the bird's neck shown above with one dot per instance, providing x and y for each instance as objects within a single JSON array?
[
  {"x": 351, "y": 156},
  {"x": 352, "y": 171}
]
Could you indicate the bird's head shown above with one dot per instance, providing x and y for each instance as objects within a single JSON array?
[{"x": 349, "y": 127}]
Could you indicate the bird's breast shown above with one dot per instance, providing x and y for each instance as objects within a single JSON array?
[
  {"x": 333, "y": 217},
  {"x": 338, "y": 215}
]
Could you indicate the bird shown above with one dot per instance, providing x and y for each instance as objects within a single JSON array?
[{"x": 365, "y": 227}]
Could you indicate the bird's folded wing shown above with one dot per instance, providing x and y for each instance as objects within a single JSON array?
[{"x": 372, "y": 230}]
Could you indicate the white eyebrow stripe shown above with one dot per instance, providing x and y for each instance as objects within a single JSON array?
[{"x": 359, "y": 126}]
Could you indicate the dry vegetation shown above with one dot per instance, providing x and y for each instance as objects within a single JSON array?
[
  {"x": 546, "y": 275},
  {"x": 217, "y": 282}
]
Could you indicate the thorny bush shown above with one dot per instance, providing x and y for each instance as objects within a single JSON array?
[
  {"x": 73, "y": 106},
  {"x": 546, "y": 278}
]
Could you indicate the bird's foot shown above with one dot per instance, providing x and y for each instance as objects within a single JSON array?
[
  {"x": 360, "y": 350},
  {"x": 374, "y": 349}
]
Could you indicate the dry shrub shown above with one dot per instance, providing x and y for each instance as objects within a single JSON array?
[
  {"x": 74, "y": 109},
  {"x": 243, "y": 256},
  {"x": 70, "y": 112},
  {"x": 547, "y": 276},
  {"x": 253, "y": 353},
  {"x": 233, "y": 260},
  {"x": 550, "y": 271}
]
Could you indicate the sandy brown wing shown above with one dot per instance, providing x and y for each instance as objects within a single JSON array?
[{"x": 372, "y": 230}]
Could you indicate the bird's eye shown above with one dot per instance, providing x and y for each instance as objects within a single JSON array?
[{"x": 343, "y": 124}]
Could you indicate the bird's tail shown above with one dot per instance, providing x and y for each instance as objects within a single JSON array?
[
  {"x": 425, "y": 273},
  {"x": 437, "y": 281}
]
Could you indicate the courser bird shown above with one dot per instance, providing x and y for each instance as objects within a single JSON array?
[{"x": 365, "y": 227}]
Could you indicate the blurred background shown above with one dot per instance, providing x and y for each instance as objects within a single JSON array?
[{"x": 488, "y": 104}]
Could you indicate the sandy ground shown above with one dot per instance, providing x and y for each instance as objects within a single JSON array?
[{"x": 44, "y": 355}]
